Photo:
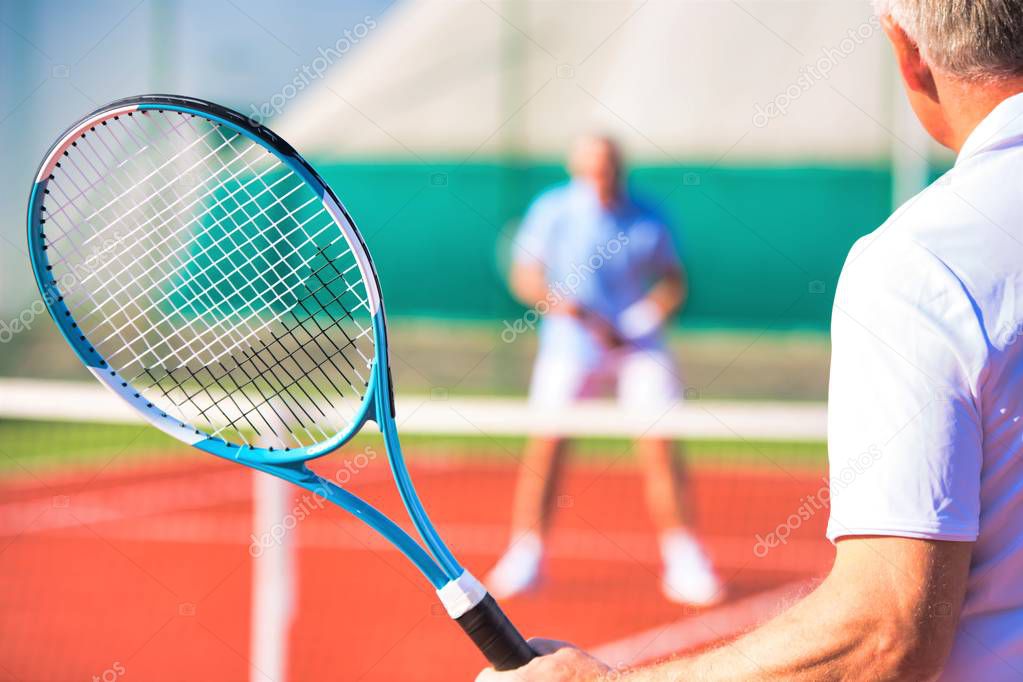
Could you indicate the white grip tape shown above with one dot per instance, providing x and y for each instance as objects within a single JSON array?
[{"x": 461, "y": 594}]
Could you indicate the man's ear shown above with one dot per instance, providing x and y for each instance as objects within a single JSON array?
[{"x": 915, "y": 71}]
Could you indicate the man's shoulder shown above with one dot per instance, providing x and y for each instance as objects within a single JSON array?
[
  {"x": 886, "y": 260},
  {"x": 967, "y": 221},
  {"x": 906, "y": 254},
  {"x": 943, "y": 258},
  {"x": 923, "y": 220}
]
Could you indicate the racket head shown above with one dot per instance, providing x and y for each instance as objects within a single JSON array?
[{"x": 201, "y": 269}]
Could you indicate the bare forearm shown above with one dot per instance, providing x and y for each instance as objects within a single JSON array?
[
  {"x": 669, "y": 293},
  {"x": 529, "y": 285},
  {"x": 883, "y": 628},
  {"x": 794, "y": 646}
]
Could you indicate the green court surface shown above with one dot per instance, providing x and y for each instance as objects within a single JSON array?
[{"x": 30, "y": 446}]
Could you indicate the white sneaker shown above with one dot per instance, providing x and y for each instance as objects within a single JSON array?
[
  {"x": 519, "y": 568},
  {"x": 689, "y": 577}
]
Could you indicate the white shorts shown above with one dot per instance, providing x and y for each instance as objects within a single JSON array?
[{"x": 567, "y": 370}]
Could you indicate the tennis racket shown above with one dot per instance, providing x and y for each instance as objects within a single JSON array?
[{"x": 204, "y": 272}]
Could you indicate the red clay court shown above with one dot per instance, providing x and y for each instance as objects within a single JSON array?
[{"x": 145, "y": 564}]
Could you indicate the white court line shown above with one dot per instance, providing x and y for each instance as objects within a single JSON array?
[{"x": 721, "y": 623}]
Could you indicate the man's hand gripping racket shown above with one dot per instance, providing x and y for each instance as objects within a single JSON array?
[{"x": 202, "y": 270}]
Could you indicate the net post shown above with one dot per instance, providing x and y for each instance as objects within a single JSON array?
[{"x": 274, "y": 584}]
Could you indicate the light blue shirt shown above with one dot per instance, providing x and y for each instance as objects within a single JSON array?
[{"x": 605, "y": 260}]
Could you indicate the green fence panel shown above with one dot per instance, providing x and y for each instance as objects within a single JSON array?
[{"x": 763, "y": 245}]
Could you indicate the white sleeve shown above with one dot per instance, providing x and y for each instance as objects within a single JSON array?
[
  {"x": 904, "y": 430},
  {"x": 532, "y": 241}
]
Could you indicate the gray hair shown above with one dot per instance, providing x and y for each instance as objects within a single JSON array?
[{"x": 972, "y": 39}]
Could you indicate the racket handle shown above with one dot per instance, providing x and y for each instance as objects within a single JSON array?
[{"x": 496, "y": 637}]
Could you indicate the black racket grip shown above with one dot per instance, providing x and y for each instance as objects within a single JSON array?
[{"x": 496, "y": 637}]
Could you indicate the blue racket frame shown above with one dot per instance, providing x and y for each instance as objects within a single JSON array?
[{"x": 435, "y": 561}]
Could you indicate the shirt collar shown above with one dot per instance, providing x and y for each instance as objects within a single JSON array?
[
  {"x": 586, "y": 196},
  {"x": 1002, "y": 125}
]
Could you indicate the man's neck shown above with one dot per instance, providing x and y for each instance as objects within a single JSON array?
[{"x": 967, "y": 103}]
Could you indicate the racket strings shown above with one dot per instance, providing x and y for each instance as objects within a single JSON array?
[
  {"x": 307, "y": 412},
  {"x": 111, "y": 254},
  {"x": 273, "y": 370},
  {"x": 157, "y": 264},
  {"x": 282, "y": 364},
  {"x": 197, "y": 286},
  {"x": 155, "y": 304},
  {"x": 101, "y": 309},
  {"x": 209, "y": 274}
]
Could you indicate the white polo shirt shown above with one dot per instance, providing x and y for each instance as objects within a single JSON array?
[{"x": 925, "y": 413}]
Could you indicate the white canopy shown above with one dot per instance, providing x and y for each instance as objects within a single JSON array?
[{"x": 674, "y": 79}]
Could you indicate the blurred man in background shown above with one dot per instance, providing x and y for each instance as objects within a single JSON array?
[
  {"x": 927, "y": 371},
  {"x": 604, "y": 272}
]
